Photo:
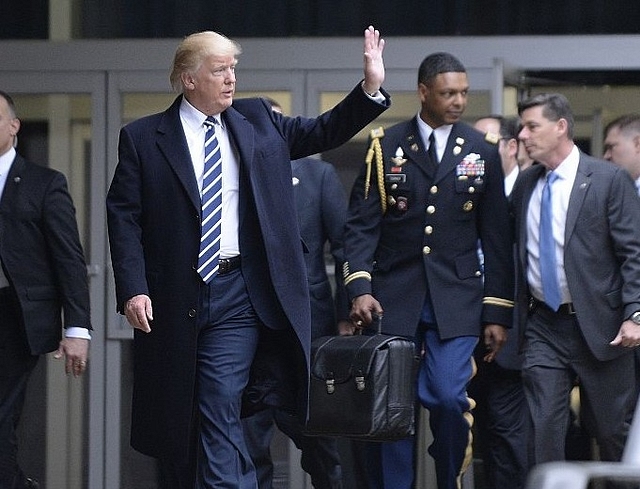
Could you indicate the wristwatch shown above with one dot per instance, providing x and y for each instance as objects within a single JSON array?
[{"x": 635, "y": 317}]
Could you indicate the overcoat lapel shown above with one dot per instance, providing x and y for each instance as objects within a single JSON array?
[{"x": 173, "y": 145}]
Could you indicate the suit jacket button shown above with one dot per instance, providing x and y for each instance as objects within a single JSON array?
[
  {"x": 434, "y": 189},
  {"x": 426, "y": 250},
  {"x": 428, "y": 230},
  {"x": 431, "y": 209},
  {"x": 192, "y": 313}
]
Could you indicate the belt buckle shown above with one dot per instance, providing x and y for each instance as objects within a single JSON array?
[{"x": 223, "y": 265}]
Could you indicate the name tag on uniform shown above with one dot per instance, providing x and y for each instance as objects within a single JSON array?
[{"x": 395, "y": 178}]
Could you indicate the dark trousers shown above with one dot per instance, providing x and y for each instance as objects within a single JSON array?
[
  {"x": 16, "y": 365},
  {"x": 320, "y": 458},
  {"x": 501, "y": 424},
  {"x": 228, "y": 337},
  {"x": 445, "y": 371},
  {"x": 556, "y": 355}
]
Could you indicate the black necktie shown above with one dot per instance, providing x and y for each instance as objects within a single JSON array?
[{"x": 433, "y": 154}]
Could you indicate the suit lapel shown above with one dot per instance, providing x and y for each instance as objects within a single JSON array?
[
  {"x": 173, "y": 145},
  {"x": 14, "y": 178},
  {"x": 578, "y": 193}
]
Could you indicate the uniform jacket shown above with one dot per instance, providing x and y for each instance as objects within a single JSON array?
[
  {"x": 153, "y": 209},
  {"x": 427, "y": 240},
  {"x": 321, "y": 204},
  {"x": 601, "y": 250},
  {"x": 41, "y": 253}
]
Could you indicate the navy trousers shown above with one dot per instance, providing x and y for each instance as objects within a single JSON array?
[
  {"x": 320, "y": 458},
  {"x": 445, "y": 371},
  {"x": 228, "y": 337}
]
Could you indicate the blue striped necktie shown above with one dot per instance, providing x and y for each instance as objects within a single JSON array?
[
  {"x": 209, "y": 255},
  {"x": 548, "y": 265}
]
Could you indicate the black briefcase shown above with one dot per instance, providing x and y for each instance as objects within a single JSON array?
[{"x": 362, "y": 387}]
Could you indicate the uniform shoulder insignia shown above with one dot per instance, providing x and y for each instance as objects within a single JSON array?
[
  {"x": 377, "y": 133},
  {"x": 492, "y": 137}
]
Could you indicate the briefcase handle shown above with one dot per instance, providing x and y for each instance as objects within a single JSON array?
[{"x": 376, "y": 323}]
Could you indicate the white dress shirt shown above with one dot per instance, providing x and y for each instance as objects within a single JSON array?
[
  {"x": 510, "y": 180},
  {"x": 561, "y": 191},
  {"x": 193, "y": 125}
]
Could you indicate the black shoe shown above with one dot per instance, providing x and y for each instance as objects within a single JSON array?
[{"x": 31, "y": 484}]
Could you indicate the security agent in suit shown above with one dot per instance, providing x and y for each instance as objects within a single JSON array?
[
  {"x": 622, "y": 148},
  {"x": 201, "y": 347},
  {"x": 592, "y": 334},
  {"x": 501, "y": 414},
  {"x": 43, "y": 275},
  {"x": 411, "y": 240},
  {"x": 321, "y": 206}
]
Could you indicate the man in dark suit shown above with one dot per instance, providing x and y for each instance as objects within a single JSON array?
[
  {"x": 321, "y": 207},
  {"x": 417, "y": 213},
  {"x": 578, "y": 276},
  {"x": 43, "y": 274},
  {"x": 501, "y": 414},
  {"x": 196, "y": 336}
]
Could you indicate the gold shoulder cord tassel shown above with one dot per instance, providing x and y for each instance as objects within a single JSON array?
[{"x": 375, "y": 149}]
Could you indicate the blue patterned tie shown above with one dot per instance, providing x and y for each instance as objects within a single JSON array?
[
  {"x": 209, "y": 255},
  {"x": 548, "y": 266}
]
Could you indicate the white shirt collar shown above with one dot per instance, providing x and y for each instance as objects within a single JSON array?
[
  {"x": 192, "y": 117},
  {"x": 6, "y": 160},
  {"x": 440, "y": 133},
  {"x": 568, "y": 168}
]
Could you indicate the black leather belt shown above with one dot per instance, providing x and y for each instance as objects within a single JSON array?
[
  {"x": 565, "y": 309},
  {"x": 226, "y": 265}
]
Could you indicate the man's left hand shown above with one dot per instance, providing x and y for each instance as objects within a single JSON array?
[
  {"x": 628, "y": 335},
  {"x": 76, "y": 353},
  {"x": 373, "y": 63},
  {"x": 495, "y": 336}
]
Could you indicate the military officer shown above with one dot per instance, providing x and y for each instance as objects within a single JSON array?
[{"x": 430, "y": 192}]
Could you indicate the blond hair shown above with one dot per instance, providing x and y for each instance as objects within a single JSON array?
[{"x": 193, "y": 50}]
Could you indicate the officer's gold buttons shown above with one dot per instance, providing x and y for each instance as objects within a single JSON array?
[
  {"x": 434, "y": 189},
  {"x": 426, "y": 250},
  {"x": 428, "y": 230},
  {"x": 431, "y": 209}
]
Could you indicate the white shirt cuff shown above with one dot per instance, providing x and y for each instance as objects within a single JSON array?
[{"x": 75, "y": 332}]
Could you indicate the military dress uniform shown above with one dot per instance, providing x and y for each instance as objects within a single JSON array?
[{"x": 411, "y": 240}]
